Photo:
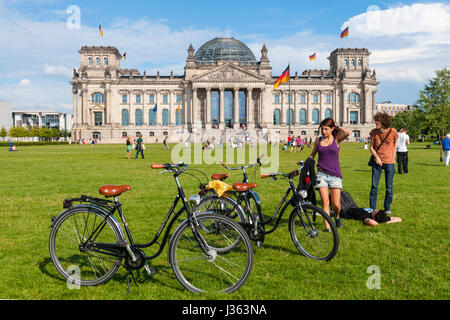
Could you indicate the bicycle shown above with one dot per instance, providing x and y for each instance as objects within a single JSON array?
[
  {"x": 305, "y": 221},
  {"x": 88, "y": 239}
]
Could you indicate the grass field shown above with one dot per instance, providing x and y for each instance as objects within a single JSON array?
[{"x": 413, "y": 256}]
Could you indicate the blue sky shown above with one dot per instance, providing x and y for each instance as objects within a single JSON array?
[{"x": 409, "y": 40}]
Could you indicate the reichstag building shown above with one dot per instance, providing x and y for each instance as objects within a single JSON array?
[{"x": 224, "y": 89}]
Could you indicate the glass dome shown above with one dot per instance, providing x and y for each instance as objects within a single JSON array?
[{"x": 225, "y": 49}]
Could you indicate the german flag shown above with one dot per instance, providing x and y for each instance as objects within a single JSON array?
[
  {"x": 125, "y": 56},
  {"x": 100, "y": 30},
  {"x": 313, "y": 57},
  {"x": 344, "y": 33},
  {"x": 283, "y": 78}
]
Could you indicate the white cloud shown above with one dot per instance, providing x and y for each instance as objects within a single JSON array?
[
  {"x": 57, "y": 71},
  {"x": 407, "y": 42},
  {"x": 24, "y": 82},
  {"x": 418, "y": 18}
]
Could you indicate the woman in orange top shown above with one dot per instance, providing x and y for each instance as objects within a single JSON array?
[{"x": 383, "y": 146}]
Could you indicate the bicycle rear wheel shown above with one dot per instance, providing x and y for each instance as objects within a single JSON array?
[
  {"x": 223, "y": 270},
  {"x": 67, "y": 238},
  {"x": 309, "y": 234}
]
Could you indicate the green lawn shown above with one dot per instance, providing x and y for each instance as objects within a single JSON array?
[{"x": 413, "y": 256}]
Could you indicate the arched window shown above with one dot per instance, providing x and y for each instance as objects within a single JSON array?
[
  {"x": 97, "y": 61},
  {"x": 125, "y": 117},
  {"x": 290, "y": 117},
  {"x": 97, "y": 98},
  {"x": 90, "y": 61},
  {"x": 346, "y": 62},
  {"x": 152, "y": 117},
  {"x": 353, "y": 97},
  {"x": 353, "y": 62},
  {"x": 328, "y": 113},
  {"x": 276, "y": 117},
  {"x": 179, "y": 117},
  {"x": 315, "y": 116},
  {"x": 165, "y": 117},
  {"x": 139, "y": 117},
  {"x": 302, "y": 116},
  {"x": 359, "y": 62},
  {"x": 105, "y": 61}
]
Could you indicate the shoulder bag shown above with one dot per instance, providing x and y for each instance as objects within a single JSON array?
[{"x": 372, "y": 158}]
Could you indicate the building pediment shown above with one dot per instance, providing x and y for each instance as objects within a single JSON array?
[{"x": 228, "y": 73}]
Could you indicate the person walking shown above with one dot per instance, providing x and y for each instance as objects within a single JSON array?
[
  {"x": 299, "y": 144},
  {"x": 166, "y": 146},
  {"x": 445, "y": 146},
  {"x": 402, "y": 151},
  {"x": 383, "y": 145},
  {"x": 129, "y": 147},
  {"x": 139, "y": 146},
  {"x": 329, "y": 176}
]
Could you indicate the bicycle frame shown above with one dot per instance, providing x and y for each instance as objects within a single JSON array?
[{"x": 117, "y": 250}]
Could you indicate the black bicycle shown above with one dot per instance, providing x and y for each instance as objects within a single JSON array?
[
  {"x": 88, "y": 245},
  {"x": 312, "y": 229}
]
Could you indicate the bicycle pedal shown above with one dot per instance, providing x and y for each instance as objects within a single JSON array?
[{"x": 150, "y": 270}]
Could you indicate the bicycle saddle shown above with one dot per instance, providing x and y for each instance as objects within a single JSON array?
[
  {"x": 242, "y": 187},
  {"x": 110, "y": 190},
  {"x": 219, "y": 176}
]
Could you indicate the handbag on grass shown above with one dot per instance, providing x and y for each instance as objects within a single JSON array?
[{"x": 372, "y": 158}]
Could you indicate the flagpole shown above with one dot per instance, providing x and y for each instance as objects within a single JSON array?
[{"x": 289, "y": 100}]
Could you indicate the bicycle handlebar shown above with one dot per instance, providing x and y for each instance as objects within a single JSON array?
[
  {"x": 179, "y": 168},
  {"x": 258, "y": 161}
]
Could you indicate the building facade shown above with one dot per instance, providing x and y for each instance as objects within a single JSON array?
[
  {"x": 5, "y": 115},
  {"x": 391, "y": 108},
  {"x": 224, "y": 88},
  {"x": 44, "y": 118}
]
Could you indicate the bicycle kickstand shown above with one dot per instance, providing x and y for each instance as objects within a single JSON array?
[{"x": 129, "y": 272}]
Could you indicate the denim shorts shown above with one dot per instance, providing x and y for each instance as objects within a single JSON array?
[{"x": 324, "y": 180}]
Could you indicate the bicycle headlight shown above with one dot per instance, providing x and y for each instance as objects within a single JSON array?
[{"x": 303, "y": 194}]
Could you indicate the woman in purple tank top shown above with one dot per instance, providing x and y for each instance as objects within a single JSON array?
[{"x": 329, "y": 176}]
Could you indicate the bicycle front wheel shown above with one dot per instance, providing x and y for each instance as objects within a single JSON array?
[
  {"x": 308, "y": 232},
  {"x": 67, "y": 238},
  {"x": 222, "y": 206},
  {"x": 217, "y": 270}
]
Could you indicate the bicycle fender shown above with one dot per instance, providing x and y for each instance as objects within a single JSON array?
[
  {"x": 103, "y": 213},
  {"x": 181, "y": 225}
]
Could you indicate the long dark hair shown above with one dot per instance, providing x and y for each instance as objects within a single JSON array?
[{"x": 329, "y": 122}]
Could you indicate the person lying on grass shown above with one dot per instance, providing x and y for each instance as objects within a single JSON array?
[{"x": 369, "y": 217}]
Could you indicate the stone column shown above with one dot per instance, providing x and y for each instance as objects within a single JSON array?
[
  {"x": 295, "y": 115},
  {"x": 171, "y": 109},
  {"x": 221, "y": 109},
  {"x": 75, "y": 106},
  {"x": 158, "y": 114},
  {"x": 208, "y": 109},
  {"x": 283, "y": 108},
  {"x": 367, "y": 107},
  {"x": 236, "y": 108},
  {"x": 108, "y": 106},
  {"x": 322, "y": 109},
  {"x": 336, "y": 107},
  {"x": 344, "y": 107},
  {"x": 85, "y": 107},
  {"x": 250, "y": 109},
  {"x": 308, "y": 108}
]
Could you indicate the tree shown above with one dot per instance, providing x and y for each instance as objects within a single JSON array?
[
  {"x": 434, "y": 101},
  {"x": 35, "y": 132},
  {"x": 3, "y": 133},
  {"x": 413, "y": 121},
  {"x": 18, "y": 132}
]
